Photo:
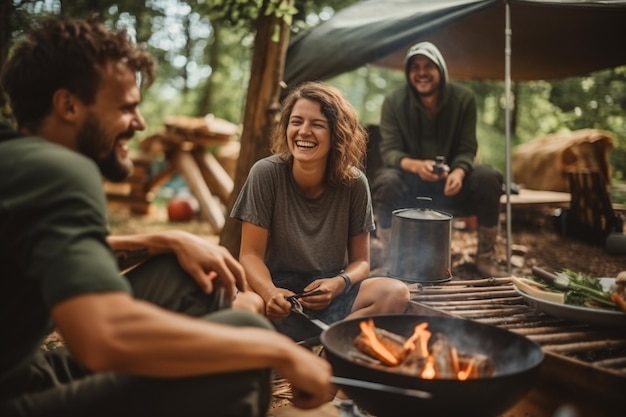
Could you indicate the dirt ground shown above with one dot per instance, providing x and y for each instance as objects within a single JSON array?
[
  {"x": 537, "y": 246},
  {"x": 536, "y": 242}
]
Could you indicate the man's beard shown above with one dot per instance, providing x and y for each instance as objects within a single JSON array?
[
  {"x": 426, "y": 93},
  {"x": 89, "y": 139}
]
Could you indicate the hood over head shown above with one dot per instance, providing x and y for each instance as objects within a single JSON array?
[{"x": 431, "y": 52}]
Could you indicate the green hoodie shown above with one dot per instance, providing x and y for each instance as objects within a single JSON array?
[{"x": 403, "y": 119}]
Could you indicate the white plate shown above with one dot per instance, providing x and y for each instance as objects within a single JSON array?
[{"x": 577, "y": 313}]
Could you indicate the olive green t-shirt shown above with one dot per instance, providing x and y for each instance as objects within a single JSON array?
[{"x": 53, "y": 244}]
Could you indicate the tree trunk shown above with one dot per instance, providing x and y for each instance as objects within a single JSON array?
[{"x": 262, "y": 105}]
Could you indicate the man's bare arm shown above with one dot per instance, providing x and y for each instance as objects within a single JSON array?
[{"x": 113, "y": 332}]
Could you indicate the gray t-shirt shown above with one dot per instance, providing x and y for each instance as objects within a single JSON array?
[{"x": 306, "y": 235}]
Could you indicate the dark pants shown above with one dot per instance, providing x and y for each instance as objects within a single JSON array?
[
  {"x": 394, "y": 189},
  {"x": 56, "y": 385}
]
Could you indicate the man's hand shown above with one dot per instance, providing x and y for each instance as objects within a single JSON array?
[
  {"x": 454, "y": 182},
  {"x": 309, "y": 376},
  {"x": 424, "y": 168},
  {"x": 210, "y": 264}
]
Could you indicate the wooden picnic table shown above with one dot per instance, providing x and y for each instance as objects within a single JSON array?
[
  {"x": 537, "y": 199},
  {"x": 185, "y": 144}
]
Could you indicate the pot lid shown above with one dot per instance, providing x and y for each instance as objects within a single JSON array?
[{"x": 422, "y": 214}]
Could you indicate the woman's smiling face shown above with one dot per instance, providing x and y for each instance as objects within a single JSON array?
[{"x": 308, "y": 132}]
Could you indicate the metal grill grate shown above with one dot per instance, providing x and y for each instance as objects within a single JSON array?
[{"x": 580, "y": 358}]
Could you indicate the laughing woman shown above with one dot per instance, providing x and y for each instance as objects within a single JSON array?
[{"x": 306, "y": 215}]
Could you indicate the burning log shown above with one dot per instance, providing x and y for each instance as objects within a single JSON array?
[
  {"x": 445, "y": 361},
  {"x": 415, "y": 356},
  {"x": 380, "y": 344},
  {"x": 478, "y": 365}
]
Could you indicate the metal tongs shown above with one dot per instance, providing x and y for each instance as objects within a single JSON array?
[
  {"x": 304, "y": 294},
  {"x": 296, "y": 307}
]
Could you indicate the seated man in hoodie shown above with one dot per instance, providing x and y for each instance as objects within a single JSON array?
[{"x": 426, "y": 118}]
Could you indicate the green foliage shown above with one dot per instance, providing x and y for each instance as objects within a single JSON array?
[
  {"x": 491, "y": 146},
  {"x": 597, "y": 102},
  {"x": 244, "y": 13},
  {"x": 366, "y": 87},
  {"x": 204, "y": 47},
  {"x": 543, "y": 107},
  {"x": 235, "y": 13},
  {"x": 282, "y": 9}
]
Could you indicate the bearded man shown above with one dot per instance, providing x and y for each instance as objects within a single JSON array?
[{"x": 432, "y": 117}]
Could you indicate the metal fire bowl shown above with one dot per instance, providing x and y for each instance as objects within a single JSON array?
[{"x": 517, "y": 362}]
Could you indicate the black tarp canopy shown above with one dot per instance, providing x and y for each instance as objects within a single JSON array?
[{"x": 550, "y": 39}]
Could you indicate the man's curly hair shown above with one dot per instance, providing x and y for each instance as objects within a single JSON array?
[
  {"x": 347, "y": 136},
  {"x": 66, "y": 53}
]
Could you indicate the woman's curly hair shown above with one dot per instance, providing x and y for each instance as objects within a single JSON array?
[
  {"x": 347, "y": 136},
  {"x": 66, "y": 53}
]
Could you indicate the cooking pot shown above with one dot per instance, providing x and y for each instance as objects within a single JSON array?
[
  {"x": 419, "y": 249},
  {"x": 516, "y": 359}
]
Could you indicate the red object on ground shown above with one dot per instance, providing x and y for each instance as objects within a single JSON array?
[
  {"x": 180, "y": 210},
  {"x": 471, "y": 223}
]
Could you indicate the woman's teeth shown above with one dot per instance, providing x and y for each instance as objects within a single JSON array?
[{"x": 303, "y": 144}]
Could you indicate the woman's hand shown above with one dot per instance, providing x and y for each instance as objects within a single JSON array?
[
  {"x": 276, "y": 305},
  {"x": 326, "y": 288}
]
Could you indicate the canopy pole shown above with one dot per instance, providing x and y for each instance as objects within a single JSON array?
[{"x": 507, "y": 153}]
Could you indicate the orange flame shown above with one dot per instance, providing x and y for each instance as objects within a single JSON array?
[
  {"x": 463, "y": 374},
  {"x": 419, "y": 334},
  {"x": 429, "y": 369},
  {"x": 417, "y": 341},
  {"x": 367, "y": 327}
]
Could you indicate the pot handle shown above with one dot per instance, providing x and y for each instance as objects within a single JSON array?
[{"x": 424, "y": 202}]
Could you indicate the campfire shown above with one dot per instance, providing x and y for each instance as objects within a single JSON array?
[
  {"x": 504, "y": 364},
  {"x": 422, "y": 354}
]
